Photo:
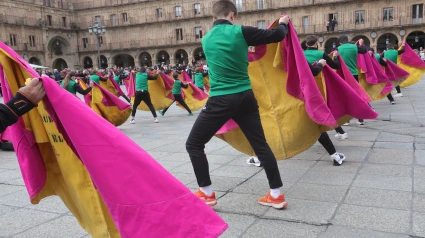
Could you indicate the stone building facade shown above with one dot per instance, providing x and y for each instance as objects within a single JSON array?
[{"x": 55, "y": 33}]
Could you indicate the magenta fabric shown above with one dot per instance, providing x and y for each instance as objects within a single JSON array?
[
  {"x": 126, "y": 82},
  {"x": 230, "y": 125},
  {"x": 132, "y": 85},
  {"x": 409, "y": 57},
  {"x": 116, "y": 86},
  {"x": 6, "y": 135},
  {"x": 186, "y": 77},
  {"x": 395, "y": 72},
  {"x": 364, "y": 62},
  {"x": 110, "y": 99},
  {"x": 380, "y": 74},
  {"x": 168, "y": 85},
  {"x": 342, "y": 99},
  {"x": 345, "y": 73}
]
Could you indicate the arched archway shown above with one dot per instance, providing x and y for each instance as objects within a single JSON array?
[
  {"x": 416, "y": 39},
  {"x": 59, "y": 64},
  {"x": 162, "y": 57},
  {"x": 87, "y": 62},
  {"x": 331, "y": 44},
  {"x": 104, "y": 62},
  {"x": 58, "y": 45},
  {"x": 181, "y": 57},
  {"x": 384, "y": 39},
  {"x": 198, "y": 54},
  {"x": 34, "y": 60},
  {"x": 121, "y": 60},
  {"x": 145, "y": 59},
  {"x": 366, "y": 40}
]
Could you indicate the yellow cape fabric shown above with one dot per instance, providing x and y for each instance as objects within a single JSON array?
[
  {"x": 207, "y": 83},
  {"x": 66, "y": 175},
  {"x": 108, "y": 85},
  {"x": 193, "y": 103},
  {"x": 288, "y": 128},
  {"x": 112, "y": 114},
  {"x": 416, "y": 74},
  {"x": 373, "y": 90},
  {"x": 158, "y": 95}
]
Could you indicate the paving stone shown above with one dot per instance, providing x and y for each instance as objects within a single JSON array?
[
  {"x": 6, "y": 189},
  {"x": 158, "y": 155},
  {"x": 331, "y": 178},
  {"x": 393, "y": 145},
  {"x": 6, "y": 209},
  {"x": 378, "y": 219},
  {"x": 240, "y": 203},
  {"x": 418, "y": 224},
  {"x": 187, "y": 168},
  {"x": 17, "y": 182},
  {"x": 391, "y": 156},
  {"x": 327, "y": 166},
  {"x": 259, "y": 187},
  {"x": 313, "y": 153},
  {"x": 317, "y": 192},
  {"x": 227, "y": 150},
  {"x": 236, "y": 171},
  {"x": 383, "y": 182},
  {"x": 419, "y": 202},
  {"x": 62, "y": 227},
  {"x": 170, "y": 165},
  {"x": 17, "y": 199},
  {"x": 419, "y": 146},
  {"x": 352, "y": 143},
  {"x": 237, "y": 224},
  {"x": 185, "y": 178},
  {"x": 386, "y": 170},
  {"x": 174, "y": 157},
  {"x": 282, "y": 229},
  {"x": 295, "y": 164},
  {"x": 9, "y": 163},
  {"x": 8, "y": 175},
  {"x": 384, "y": 136},
  {"x": 420, "y": 157},
  {"x": 287, "y": 175},
  {"x": 50, "y": 204},
  {"x": 379, "y": 198},
  {"x": 349, "y": 232},
  {"x": 363, "y": 135},
  {"x": 164, "y": 146},
  {"x": 223, "y": 183},
  {"x": 23, "y": 219},
  {"x": 227, "y": 159},
  {"x": 353, "y": 154},
  {"x": 311, "y": 212}
]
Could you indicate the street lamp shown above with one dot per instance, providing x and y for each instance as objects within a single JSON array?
[
  {"x": 98, "y": 31},
  {"x": 387, "y": 41},
  {"x": 416, "y": 38}
]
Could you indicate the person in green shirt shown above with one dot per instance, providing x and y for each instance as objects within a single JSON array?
[
  {"x": 177, "y": 93},
  {"x": 349, "y": 53},
  {"x": 392, "y": 54},
  {"x": 142, "y": 93},
  {"x": 383, "y": 62},
  {"x": 199, "y": 78},
  {"x": 96, "y": 78},
  {"x": 69, "y": 83},
  {"x": 231, "y": 97}
]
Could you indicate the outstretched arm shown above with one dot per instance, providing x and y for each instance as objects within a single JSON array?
[{"x": 254, "y": 36}]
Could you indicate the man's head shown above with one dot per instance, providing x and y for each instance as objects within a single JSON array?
[
  {"x": 175, "y": 76},
  {"x": 390, "y": 46},
  {"x": 311, "y": 41},
  {"x": 343, "y": 39},
  {"x": 224, "y": 9},
  {"x": 371, "y": 49}
]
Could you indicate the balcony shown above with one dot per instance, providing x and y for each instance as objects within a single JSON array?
[
  {"x": 16, "y": 20},
  {"x": 25, "y": 47}
]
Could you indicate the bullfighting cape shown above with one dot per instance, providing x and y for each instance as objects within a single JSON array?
[
  {"x": 112, "y": 86},
  {"x": 292, "y": 109},
  {"x": 159, "y": 90},
  {"x": 371, "y": 76},
  {"x": 395, "y": 74},
  {"x": 106, "y": 104},
  {"x": 412, "y": 63},
  {"x": 194, "y": 97},
  {"x": 113, "y": 190}
]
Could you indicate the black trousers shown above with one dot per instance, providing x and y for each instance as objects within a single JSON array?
[
  {"x": 243, "y": 109},
  {"x": 390, "y": 97},
  {"x": 340, "y": 130},
  {"x": 202, "y": 89},
  {"x": 126, "y": 98},
  {"x": 145, "y": 97},
  {"x": 178, "y": 98},
  {"x": 398, "y": 89},
  {"x": 357, "y": 79},
  {"x": 327, "y": 143}
]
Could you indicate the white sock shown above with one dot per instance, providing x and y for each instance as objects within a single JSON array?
[
  {"x": 207, "y": 190},
  {"x": 275, "y": 192}
]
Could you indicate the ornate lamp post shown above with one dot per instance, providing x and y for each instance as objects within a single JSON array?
[{"x": 98, "y": 31}]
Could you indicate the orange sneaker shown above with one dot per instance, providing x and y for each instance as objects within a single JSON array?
[
  {"x": 278, "y": 203},
  {"x": 209, "y": 200}
]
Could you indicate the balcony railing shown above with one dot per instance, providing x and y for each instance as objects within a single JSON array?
[{"x": 27, "y": 48}]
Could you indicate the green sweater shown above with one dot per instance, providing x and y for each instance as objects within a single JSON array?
[
  {"x": 70, "y": 87},
  {"x": 226, "y": 52},
  {"x": 199, "y": 80},
  {"x": 177, "y": 88},
  {"x": 313, "y": 55},
  {"x": 141, "y": 81},
  {"x": 392, "y": 55},
  {"x": 95, "y": 78},
  {"x": 349, "y": 54}
]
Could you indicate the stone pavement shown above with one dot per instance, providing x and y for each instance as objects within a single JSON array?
[{"x": 378, "y": 192}]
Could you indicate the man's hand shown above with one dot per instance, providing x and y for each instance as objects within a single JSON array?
[
  {"x": 403, "y": 43},
  {"x": 370, "y": 52},
  {"x": 91, "y": 84},
  {"x": 361, "y": 42},
  {"x": 34, "y": 91},
  {"x": 323, "y": 62},
  {"x": 284, "y": 19},
  {"x": 335, "y": 54},
  {"x": 385, "y": 60}
]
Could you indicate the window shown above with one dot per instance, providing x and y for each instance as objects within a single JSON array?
[
  {"x": 113, "y": 19},
  {"x": 388, "y": 14},
  {"x": 124, "y": 17},
  {"x": 85, "y": 42},
  {"x": 417, "y": 13},
  {"x": 49, "y": 20},
  {"x": 197, "y": 8},
  {"x": 179, "y": 34},
  {"x": 198, "y": 32},
  {"x": 305, "y": 23},
  {"x": 32, "y": 41},
  {"x": 64, "y": 21},
  {"x": 12, "y": 39},
  {"x": 261, "y": 24},
  {"x": 159, "y": 12},
  {"x": 238, "y": 4},
  {"x": 46, "y": 3},
  {"x": 178, "y": 11},
  {"x": 359, "y": 17},
  {"x": 260, "y": 4},
  {"x": 308, "y": 1},
  {"x": 101, "y": 40},
  {"x": 97, "y": 19}
]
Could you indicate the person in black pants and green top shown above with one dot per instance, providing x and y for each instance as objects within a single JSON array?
[
  {"x": 142, "y": 93},
  {"x": 71, "y": 86},
  {"x": 177, "y": 93},
  {"x": 231, "y": 97},
  {"x": 349, "y": 53},
  {"x": 96, "y": 78},
  {"x": 383, "y": 62},
  {"x": 312, "y": 54},
  {"x": 199, "y": 78},
  {"x": 392, "y": 55}
]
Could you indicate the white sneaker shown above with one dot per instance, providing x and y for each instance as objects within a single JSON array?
[
  {"x": 392, "y": 102},
  {"x": 253, "y": 160},
  {"x": 346, "y": 124},
  {"x": 398, "y": 95},
  {"x": 132, "y": 121},
  {"x": 338, "y": 158},
  {"x": 361, "y": 123},
  {"x": 341, "y": 136},
  {"x": 155, "y": 120}
]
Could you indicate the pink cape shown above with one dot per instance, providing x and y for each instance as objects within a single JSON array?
[
  {"x": 409, "y": 57},
  {"x": 116, "y": 86},
  {"x": 380, "y": 74},
  {"x": 108, "y": 99},
  {"x": 395, "y": 72},
  {"x": 142, "y": 197}
]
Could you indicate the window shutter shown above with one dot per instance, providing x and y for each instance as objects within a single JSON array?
[{"x": 408, "y": 10}]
